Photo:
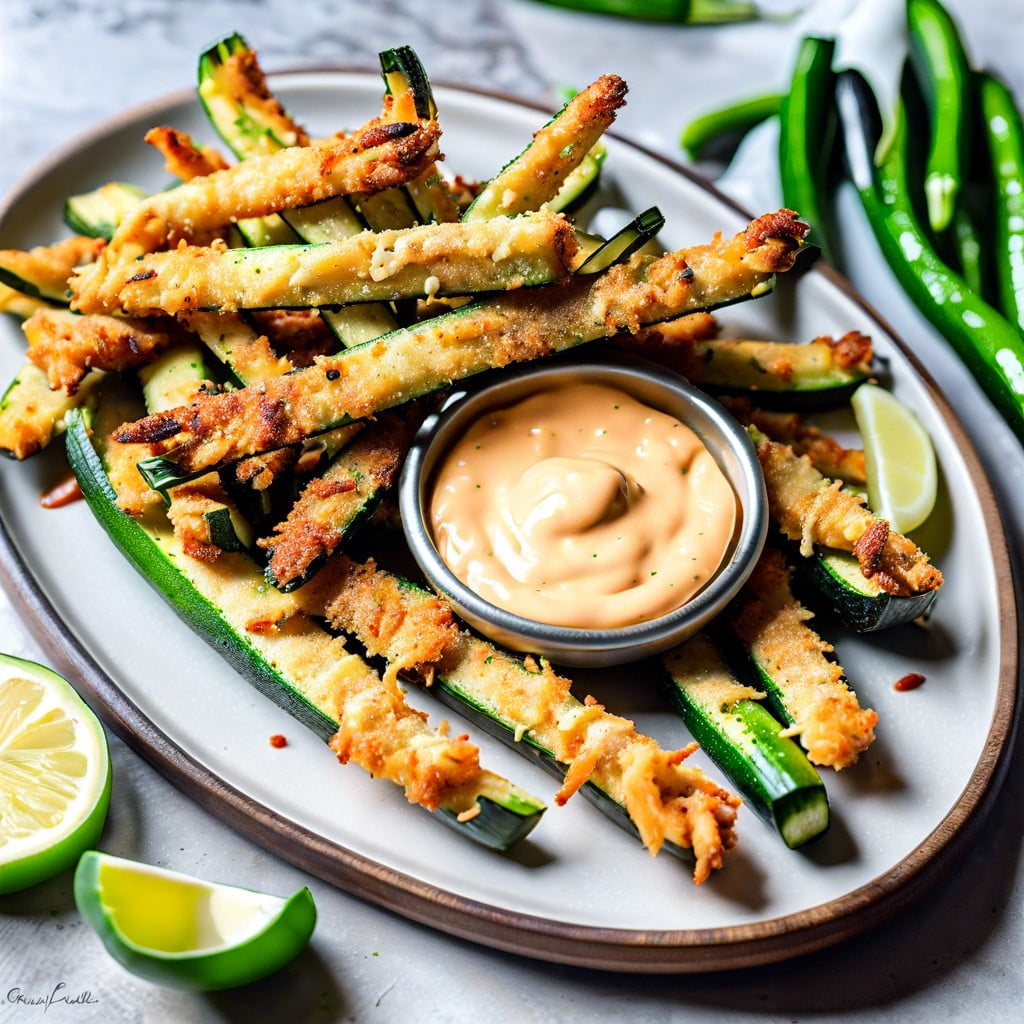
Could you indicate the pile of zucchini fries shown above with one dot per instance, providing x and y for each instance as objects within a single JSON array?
[{"x": 270, "y": 352}]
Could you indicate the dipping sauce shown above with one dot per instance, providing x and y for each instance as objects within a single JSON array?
[{"x": 580, "y": 506}]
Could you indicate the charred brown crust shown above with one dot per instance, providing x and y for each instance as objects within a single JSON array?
[
  {"x": 870, "y": 546},
  {"x": 160, "y": 429},
  {"x": 603, "y": 97},
  {"x": 66, "y": 346},
  {"x": 853, "y": 351},
  {"x": 386, "y": 131},
  {"x": 317, "y": 524},
  {"x": 182, "y": 156},
  {"x": 782, "y": 225}
]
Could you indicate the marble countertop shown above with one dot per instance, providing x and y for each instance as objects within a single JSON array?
[{"x": 66, "y": 65}]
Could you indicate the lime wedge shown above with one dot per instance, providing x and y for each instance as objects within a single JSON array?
[
  {"x": 54, "y": 774},
  {"x": 902, "y": 473},
  {"x": 182, "y": 932}
]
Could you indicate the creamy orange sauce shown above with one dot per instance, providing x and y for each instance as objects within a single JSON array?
[{"x": 580, "y": 506}]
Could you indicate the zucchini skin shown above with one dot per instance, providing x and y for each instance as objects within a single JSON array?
[
  {"x": 770, "y": 769},
  {"x": 193, "y": 608},
  {"x": 815, "y": 399},
  {"x": 243, "y": 132},
  {"x": 776, "y": 375},
  {"x": 859, "y": 611},
  {"x": 497, "y": 826}
]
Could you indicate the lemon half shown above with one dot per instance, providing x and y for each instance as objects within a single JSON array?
[
  {"x": 54, "y": 774},
  {"x": 901, "y": 468},
  {"x": 183, "y": 932}
]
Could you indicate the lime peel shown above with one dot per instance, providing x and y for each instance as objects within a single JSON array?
[
  {"x": 184, "y": 932},
  {"x": 54, "y": 774},
  {"x": 901, "y": 466}
]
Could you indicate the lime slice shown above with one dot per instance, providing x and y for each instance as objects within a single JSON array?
[
  {"x": 182, "y": 932},
  {"x": 54, "y": 774},
  {"x": 902, "y": 474}
]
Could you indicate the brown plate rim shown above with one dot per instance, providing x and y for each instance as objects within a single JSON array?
[{"x": 632, "y": 950}]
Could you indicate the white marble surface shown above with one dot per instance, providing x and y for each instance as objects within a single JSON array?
[{"x": 955, "y": 955}]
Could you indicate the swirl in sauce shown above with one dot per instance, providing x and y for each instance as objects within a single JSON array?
[{"x": 580, "y": 506}]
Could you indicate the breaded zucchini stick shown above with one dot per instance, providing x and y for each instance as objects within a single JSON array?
[
  {"x": 828, "y": 456},
  {"x": 31, "y": 414},
  {"x": 43, "y": 272},
  {"x": 814, "y": 510},
  {"x": 493, "y": 332},
  {"x": 381, "y": 156},
  {"x": 442, "y": 259},
  {"x": 184, "y": 158},
  {"x": 333, "y": 503},
  {"x": 755, "y": 364},
  {"x": 66, "y": 346},
  {"x": 804, "y": 684},
  {"x": 535, "y": 176},
  {"x": 415, "y": 632}
]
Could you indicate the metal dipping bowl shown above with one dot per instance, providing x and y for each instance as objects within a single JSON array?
[{"x": 725, "y": 439}]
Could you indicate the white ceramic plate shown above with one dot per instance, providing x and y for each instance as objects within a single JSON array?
[{"x": 579, "y": 890}]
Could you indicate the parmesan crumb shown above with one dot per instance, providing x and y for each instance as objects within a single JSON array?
[{"x": 469, "y": 814}]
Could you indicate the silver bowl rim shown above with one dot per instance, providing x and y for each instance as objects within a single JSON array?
[{"x": 470, "y": 400}]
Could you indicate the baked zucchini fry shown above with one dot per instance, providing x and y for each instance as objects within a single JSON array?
[
  {"x": 204, "y": 519},
  {"x": 736, "y": 731},
  {"x": 823, "y": 372},
  {"x": 336, "y": 502},
  {"x": 537, "y": 174},
  {"x": 377, "y": 158},
  {"x": 816, "y": 511},
  {"x": 807, "y": 689},
  {"x": 432, "y": 259},
  {"x": 493, "y": 332},
  {"x": 408, "y": 95},
  {"x": 66, "y": 345},
  {"x": 43, "y": 272},
  {"x": 233, "y": 91},
  {"x": 649, "y": 791},
  {"x": 250, "y": 119},
  {"x": 187, "y": 160},
  {"x": 827, "y": 455},
  {"x": 238, "y": 345},
  {"x": 184, "y": 158},
  {"x": 32, "y": 414},
  {"x": 292, "y": 660}
]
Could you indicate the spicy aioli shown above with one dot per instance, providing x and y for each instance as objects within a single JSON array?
[{"x": 580, "y": 506}]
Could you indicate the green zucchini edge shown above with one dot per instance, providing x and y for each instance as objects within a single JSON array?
[{"x": 497, "y": 826}]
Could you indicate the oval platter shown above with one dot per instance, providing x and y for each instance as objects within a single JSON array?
[{"x": 578, "y": 890}]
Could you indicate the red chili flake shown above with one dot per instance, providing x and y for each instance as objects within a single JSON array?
[
  {"x": 277, "y": 741},
  {"x": 911, "y": 681},
  {"x": 61, "y": 494}
]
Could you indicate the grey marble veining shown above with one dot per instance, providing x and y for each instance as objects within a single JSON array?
[{"x": 955, "y": 955}]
